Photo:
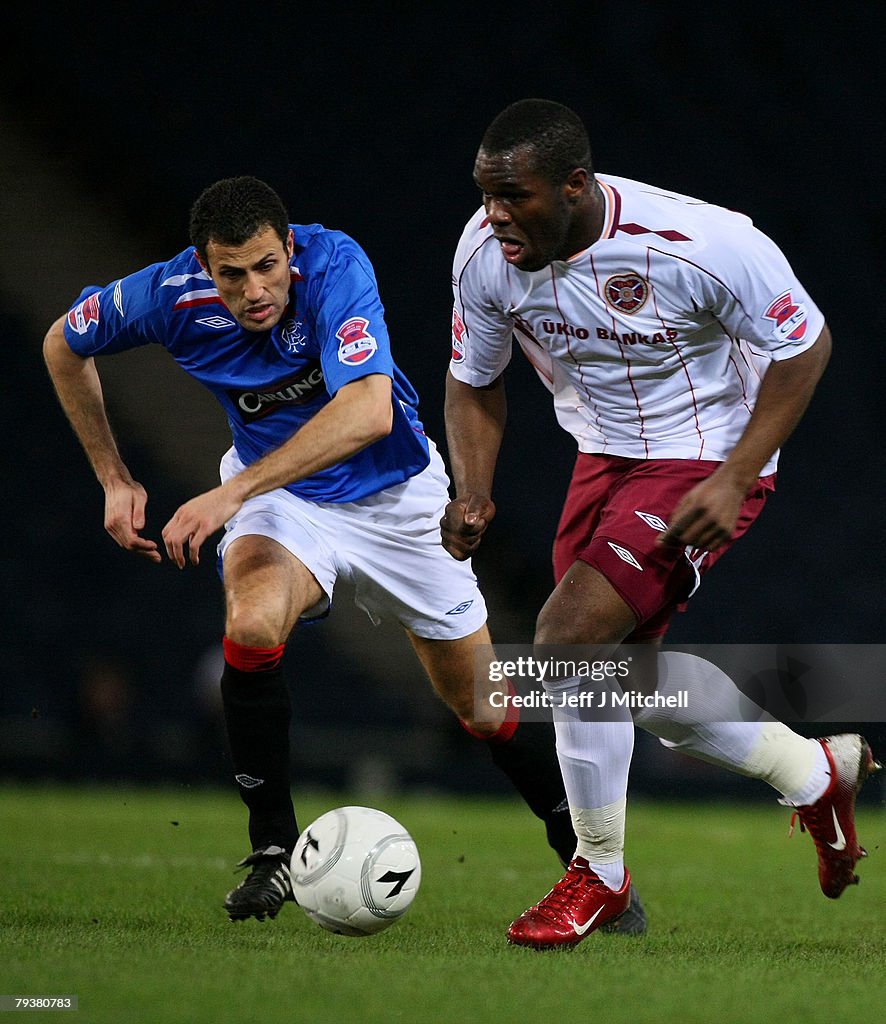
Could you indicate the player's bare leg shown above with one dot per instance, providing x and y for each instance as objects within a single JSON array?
[
  {"x": 266, "y": 589},
  {"x": 455, "y": 668},
  {"x": 524, "y": 751},
  {"x": 584, "y": 608}
]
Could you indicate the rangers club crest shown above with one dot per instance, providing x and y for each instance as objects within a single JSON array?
[
  {"x": 356, "y": 345},
  {"x": 626, "y": 292},
  {"x": 293, "y": 336}
]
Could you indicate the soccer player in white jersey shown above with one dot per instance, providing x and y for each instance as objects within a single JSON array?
[
  {"x": 330, "y": 472},
  {"x": 681, "y": 351}
]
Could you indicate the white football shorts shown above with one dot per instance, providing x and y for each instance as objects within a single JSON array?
[{"x": 387, "y": 545}]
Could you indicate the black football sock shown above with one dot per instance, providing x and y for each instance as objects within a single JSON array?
[
  {"x": 529, "y": 759},
  {"x": 258, "y": 711}
]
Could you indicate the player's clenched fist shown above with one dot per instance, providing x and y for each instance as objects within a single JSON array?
[{"x": 464, "y": 523}]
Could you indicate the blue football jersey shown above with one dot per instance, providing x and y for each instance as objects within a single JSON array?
[{"x": 272, "y": 382}]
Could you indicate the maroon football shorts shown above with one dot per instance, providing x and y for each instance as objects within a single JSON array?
[{"x": 614, "y": 511}]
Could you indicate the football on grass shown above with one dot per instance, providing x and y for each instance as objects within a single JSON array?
[{"x": 355, "y": 870}]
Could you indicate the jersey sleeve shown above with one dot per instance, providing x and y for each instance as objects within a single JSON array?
[
  {"x": 482, "y": 332},
  {"x": 115, "y": 318},
  {"x": 757, "y": 297},
  {"x": 354, "y": 340}
]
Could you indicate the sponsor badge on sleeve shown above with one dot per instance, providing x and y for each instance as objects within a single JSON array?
[
  {"x": 355, "y": 343},
  {"x": 85, "y": 313}
]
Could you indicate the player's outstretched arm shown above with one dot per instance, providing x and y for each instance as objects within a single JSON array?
[
  {"x": 358, "y": 415},
  {"x": 475, "y": 422},
  {"x": 706, "y": 516},
  {"x": 79, "y": 391}
]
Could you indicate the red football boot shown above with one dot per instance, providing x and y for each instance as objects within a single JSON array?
[
  {"x": 831, "y": 819},
  {"x": 577, "y": 905}
]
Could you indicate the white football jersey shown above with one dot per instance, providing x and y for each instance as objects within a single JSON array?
[{"x": 653, "y": 340}]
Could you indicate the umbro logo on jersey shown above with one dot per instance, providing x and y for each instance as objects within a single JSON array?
[
  {"x": 625, "y": 555},
  {"x": 654, "y": 521},
  {"x": 218, "y": 322},
  {"x": 460, "y": 609}
]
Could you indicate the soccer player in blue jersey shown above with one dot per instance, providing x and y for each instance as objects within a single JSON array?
[{"x": 329, "y": 472}]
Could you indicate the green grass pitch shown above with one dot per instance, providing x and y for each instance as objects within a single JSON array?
[{"x": 114, "y": 895}]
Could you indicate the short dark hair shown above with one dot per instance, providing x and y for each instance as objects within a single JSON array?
[
  {"x": 233, "y": 210},
  {"x": 554, "y": 134}
]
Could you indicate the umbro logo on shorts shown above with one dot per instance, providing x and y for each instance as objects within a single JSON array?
[
  {"x": 650, "y": 520},
  {"x": 460, "y": 609},
  {"x": 625, "y": 555}
]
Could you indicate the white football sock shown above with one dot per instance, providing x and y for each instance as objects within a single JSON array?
[
  {"x": 724, "y": 727},
  {"x": 595, "y": 758},
  {"x": 600, "y": 833}
]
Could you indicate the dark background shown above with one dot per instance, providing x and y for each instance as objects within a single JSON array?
[{"x": 367, "y": 119}]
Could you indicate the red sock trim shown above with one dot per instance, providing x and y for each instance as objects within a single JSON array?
[
  {"x": 251, "y": 659},
  {"x": 507, "y": 728}
]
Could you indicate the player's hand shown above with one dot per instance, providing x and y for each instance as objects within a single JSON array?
[
  {"x": 197, "y": 520},
  {"x": 463, "y": 524},
  {"x": 125, "y": 503},
  {"x": 705, "y": 517}
]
